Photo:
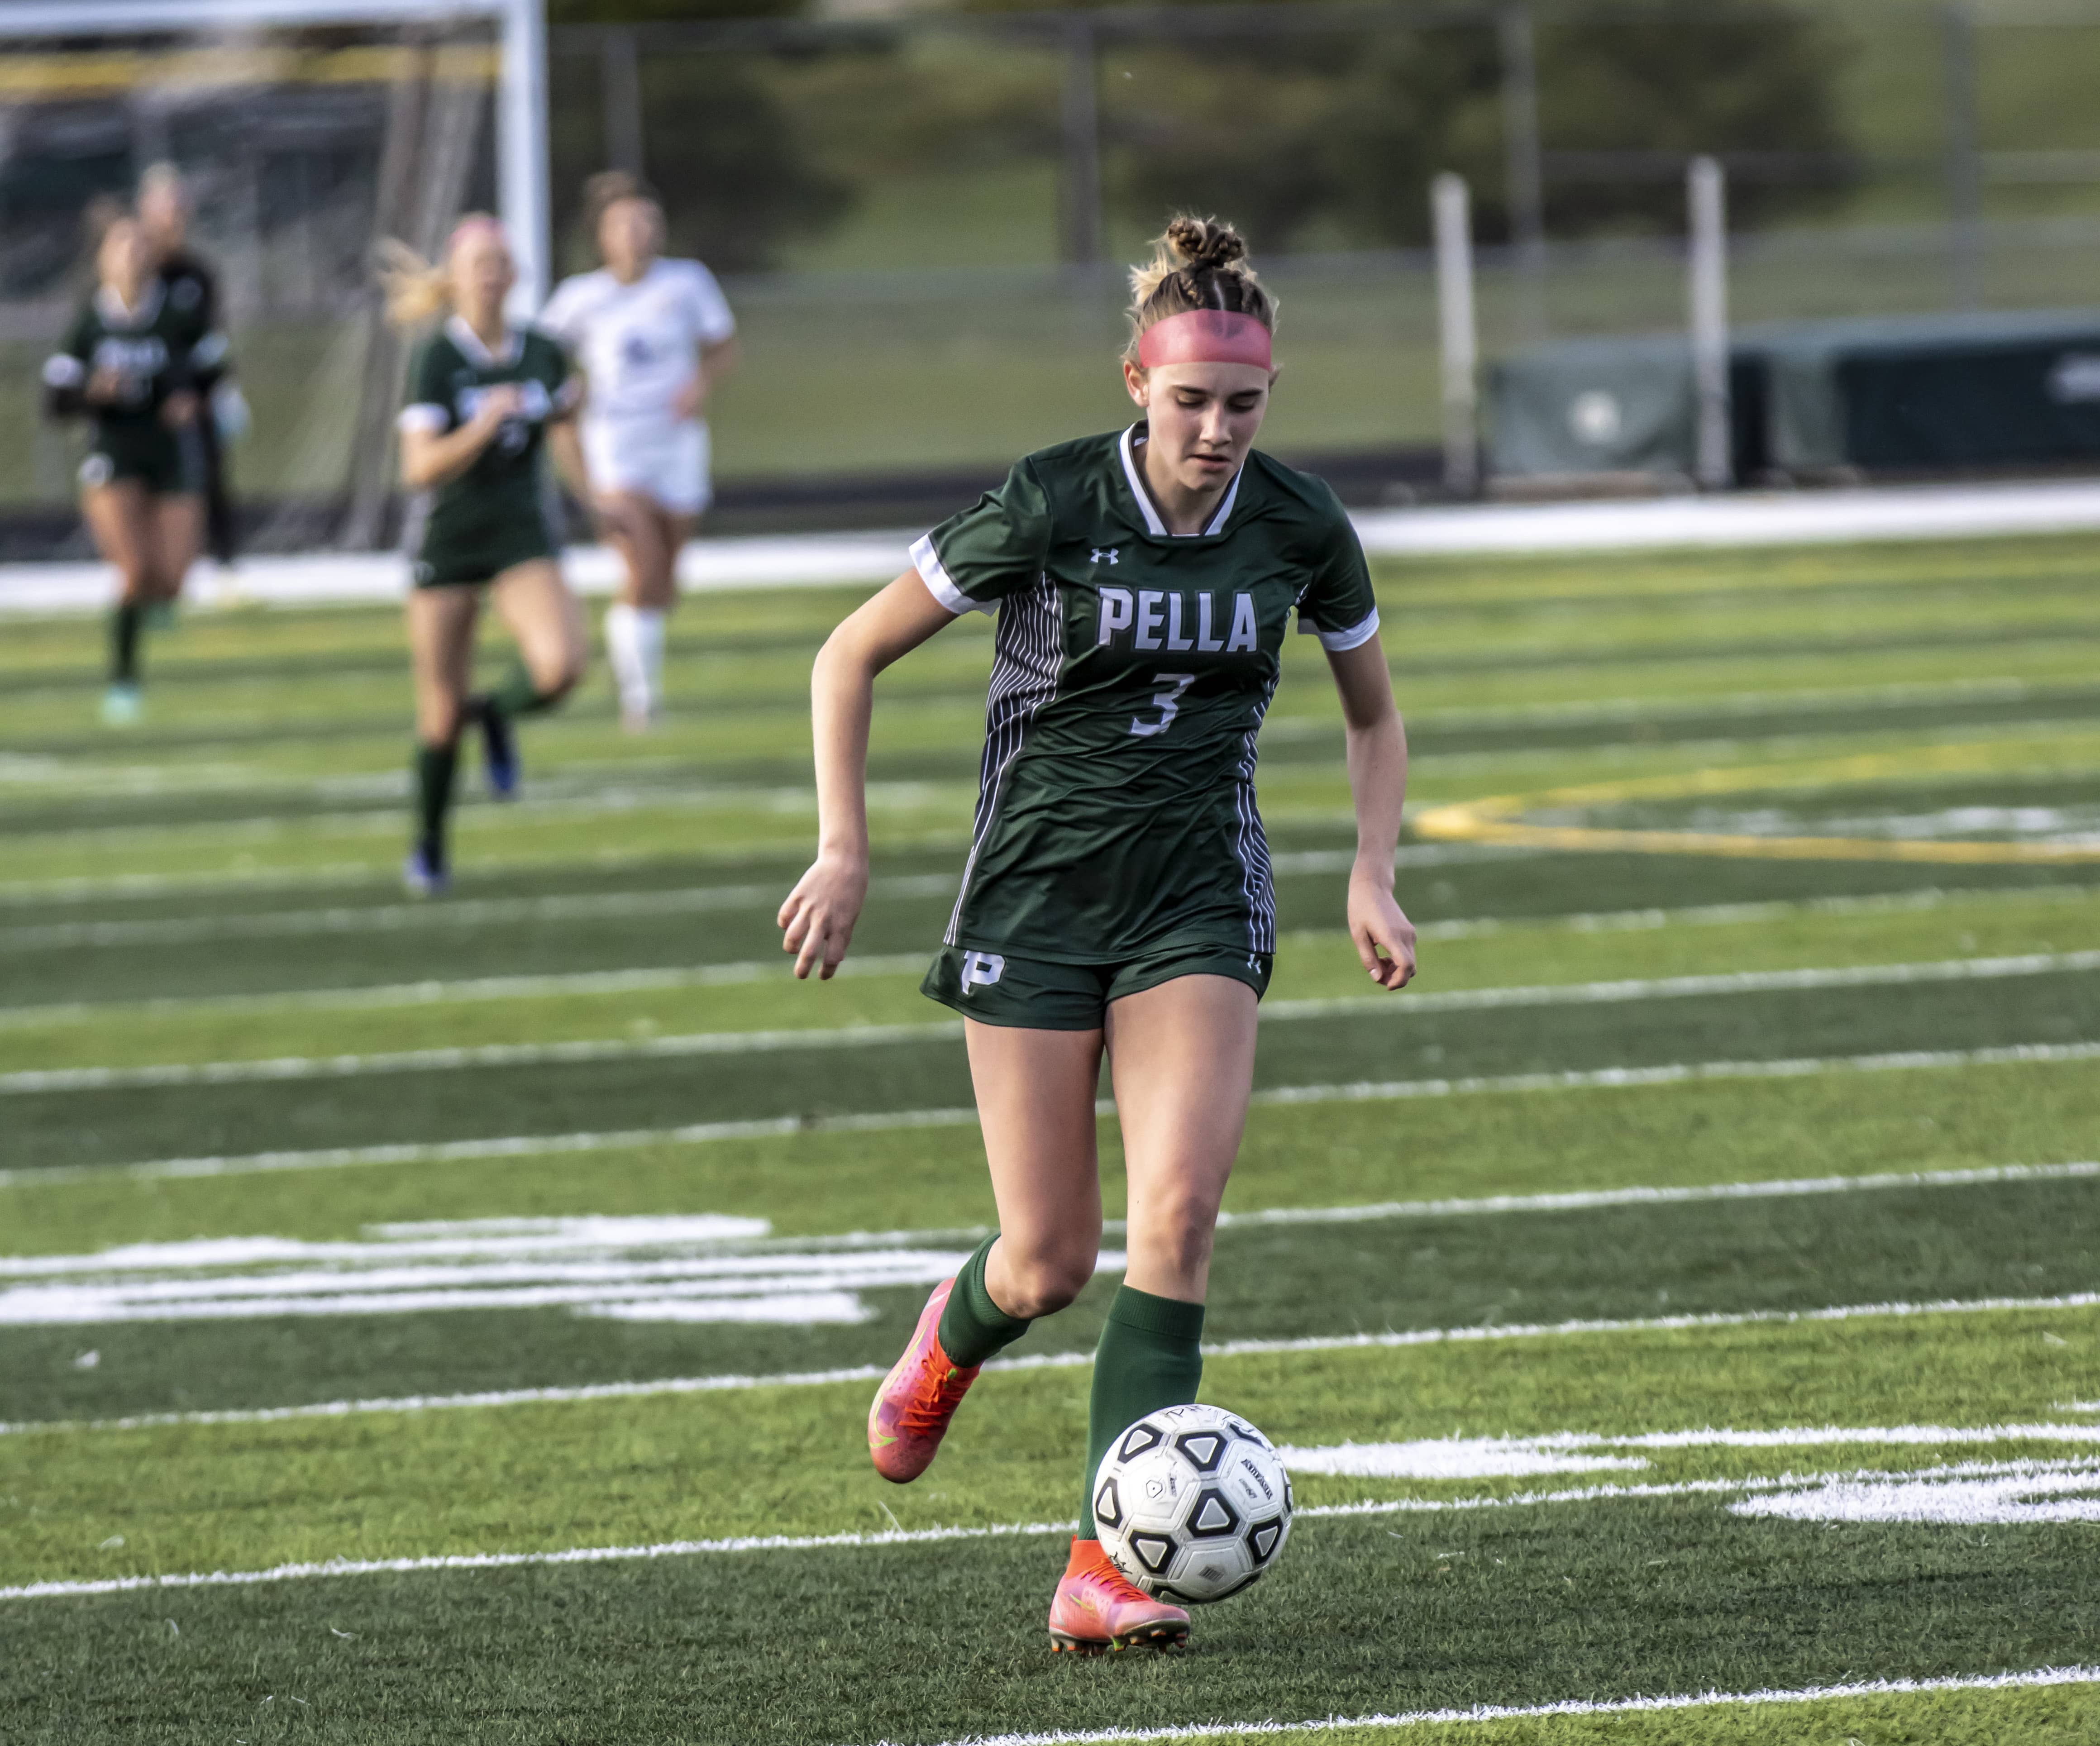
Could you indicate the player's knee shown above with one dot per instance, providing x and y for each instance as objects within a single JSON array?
[
  {"x": 1045, "y": 1281},
  {"x": 558, "y": 671}
]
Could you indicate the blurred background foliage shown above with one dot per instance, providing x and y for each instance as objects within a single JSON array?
[{"x": 1321, "y": 139}]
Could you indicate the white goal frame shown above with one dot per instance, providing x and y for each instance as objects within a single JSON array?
[{"x": 520, "y": 106}]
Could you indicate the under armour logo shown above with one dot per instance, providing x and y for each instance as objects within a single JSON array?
[{"x": 1106, "y": 556}]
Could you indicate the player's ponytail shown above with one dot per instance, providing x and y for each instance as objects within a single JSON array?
[
  {"x": 417, "y": 291},
  {"x": 1197, "y": 263}
]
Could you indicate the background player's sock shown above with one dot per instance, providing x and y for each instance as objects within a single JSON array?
[
  {"x": 649, "y": 647},
  {"x": 973, "y": 1326},
  {"x": 622, "y": 654},
  {"x": 435, "y": 766},
  {"x": 1151, "y": 1354},
  {"x": 124, "y": 626}
]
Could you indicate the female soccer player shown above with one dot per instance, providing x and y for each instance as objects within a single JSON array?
[
  {"x": 1117, "y": 894},
  {"x": 192, "y": 285},
  {"x": 653, "y": 337},
  {"x": 484, "y": 397},
  {"x": 131, "y": 362}
]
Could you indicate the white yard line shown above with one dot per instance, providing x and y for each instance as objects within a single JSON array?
[
  {"x": 516, "y": 1145},
  {"x": 1391, "y": 1341},
  {"x": 474, "y": 912},
  {"x": 671, "y": 976},
  {"x": 1577, "y": 1200},
  {"x": 379, "y": 917},
  {"x": 861, "y": 1036},
  {"x": 662, "y": 978},
  {"x": 2037, "y": 1678},
  {"x": 916, "y": 1536},
  {"x": 481, "y": 1054}
]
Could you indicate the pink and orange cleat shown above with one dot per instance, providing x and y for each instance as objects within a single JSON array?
[
  {"x": 1097, "y": 1607},
  {"x": 917, "y": 1399}
]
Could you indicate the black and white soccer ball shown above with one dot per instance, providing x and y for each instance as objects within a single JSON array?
[{"x": 1191, "y": 1504}]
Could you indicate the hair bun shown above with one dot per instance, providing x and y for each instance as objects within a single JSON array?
[{"x": 1205, "y": 242}]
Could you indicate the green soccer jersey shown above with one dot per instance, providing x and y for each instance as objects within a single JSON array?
[
  {"x": 163, "y": 346},
  {"x": 1116, "y": 812},
  {"x": 494, "y": 513}
]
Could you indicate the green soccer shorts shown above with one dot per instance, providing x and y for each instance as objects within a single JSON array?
[
  {"x": 464, "y": 559},
  {"x": 155, "y": 457},
  {"x": 1034, "y": 993}
]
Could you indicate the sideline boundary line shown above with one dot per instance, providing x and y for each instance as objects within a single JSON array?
[
  {"x": 518, "y": 1145},
  {"x": 2037, "y": 1678},
  {"x": 45, "y": 1081},
  {"x": 1071, "y": 1361},
  {"x": 290, "y": 1572}
]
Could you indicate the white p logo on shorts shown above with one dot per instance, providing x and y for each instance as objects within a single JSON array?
[{"x": 981, "y": 969}]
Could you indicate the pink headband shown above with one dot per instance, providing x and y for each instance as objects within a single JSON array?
[
  {"x": 468, "y": 225},
  {"x": 1205, "y": 336}
]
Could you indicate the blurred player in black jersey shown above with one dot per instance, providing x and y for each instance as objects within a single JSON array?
[{"x": 192, "y": 291}]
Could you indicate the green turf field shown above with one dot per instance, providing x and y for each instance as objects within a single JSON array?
[{"x": 1682, "y": 1308}]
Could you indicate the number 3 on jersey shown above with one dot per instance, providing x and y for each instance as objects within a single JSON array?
[{"x": 1167, "y": 703}]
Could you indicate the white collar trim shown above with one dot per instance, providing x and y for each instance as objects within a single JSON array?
[
  {"x": 468, "y": 341},
  {"x": 117, "y": 314},
  {"x": 1153, "y": 524}
]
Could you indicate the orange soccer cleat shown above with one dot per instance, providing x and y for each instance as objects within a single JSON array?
[
  {"x": 1097, "y": 1607},
  {"x": 917, "y": 1399}
]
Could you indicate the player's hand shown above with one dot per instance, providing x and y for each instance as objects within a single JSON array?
[
  {"x": 108, "y": 387},
  {"x": 687, "y": 402},
  {"x": 1384, "y": 936},
  {"x": 817, "y": 920},
  {"x": 178, "y": 409},
  {"x": 504, "y": 400}
]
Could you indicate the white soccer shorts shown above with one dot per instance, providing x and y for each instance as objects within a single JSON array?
[{"x": 663, "y": 460}]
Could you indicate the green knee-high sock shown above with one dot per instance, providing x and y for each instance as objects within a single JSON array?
[
  {"x": 434, "y": 765},
  {"x": 124, "y": 624},
  {"x": 1151, "y": 1354},
  {"x": 973, "y": 1326},
  {"x": 517, "y": 695}
]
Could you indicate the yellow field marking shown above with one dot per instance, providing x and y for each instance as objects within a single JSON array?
[
  {"x": 52, "y": 75},
  {"x": 1494, "y": 819}
]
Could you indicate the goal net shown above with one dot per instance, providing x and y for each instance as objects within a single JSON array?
[{"x": 306, "y": 131}]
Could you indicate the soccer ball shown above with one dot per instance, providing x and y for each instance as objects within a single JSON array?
[{"x": 1191, "y": 1504}]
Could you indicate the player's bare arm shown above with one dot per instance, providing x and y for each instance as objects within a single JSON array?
[
  {"x": 1377, "y": 742},
  {"x": 817, "y": 918}
]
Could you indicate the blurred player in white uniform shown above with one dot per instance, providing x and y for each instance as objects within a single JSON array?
[{"x": 653, "y": 336}]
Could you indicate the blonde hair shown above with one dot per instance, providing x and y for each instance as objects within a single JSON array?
[
  {"x": 1197, "y": 263},
  {"x": 418, "y": 291}
]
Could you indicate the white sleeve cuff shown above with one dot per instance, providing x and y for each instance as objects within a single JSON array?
[
  {"x": 64, "y": 370},
  {"x": 927, "y": 561},
  {"x": 1336, "y": 641},
  {"x": 422, "y": 416}
]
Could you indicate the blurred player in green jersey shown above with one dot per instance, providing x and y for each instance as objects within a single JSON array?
[
  {"x": 131, "y": 363},
  {"x": 1117, "y": 896},
  {"x": 485, "y": 398},
  {"x": 190, "y": 284}
]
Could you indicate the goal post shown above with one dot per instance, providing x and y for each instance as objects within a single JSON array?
[
  {"x": 309, "y": 130},
  {"x": 521, "y": 134}
]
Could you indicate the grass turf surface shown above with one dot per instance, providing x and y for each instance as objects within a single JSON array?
[{"x": 214, "y": 889}]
